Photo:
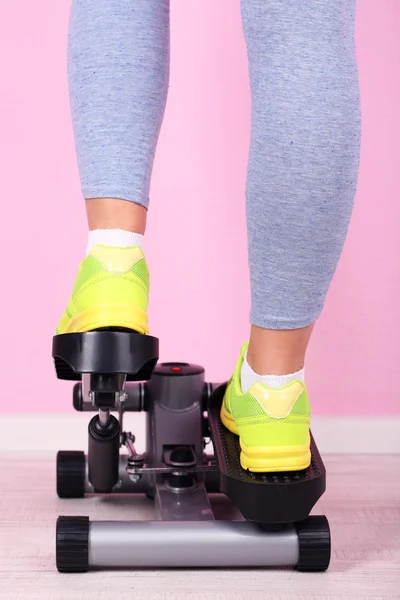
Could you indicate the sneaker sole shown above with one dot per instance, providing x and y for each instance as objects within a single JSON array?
[{"x": 114, "y": 315}]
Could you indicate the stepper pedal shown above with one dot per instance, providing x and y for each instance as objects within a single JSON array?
[
  {"x": 268, "y": 498},
  {"x": 105, "y": 352}
]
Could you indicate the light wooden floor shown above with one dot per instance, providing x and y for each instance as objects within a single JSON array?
[{"x": 362, "y": 504}]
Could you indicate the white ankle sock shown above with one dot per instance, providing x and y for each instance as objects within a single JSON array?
[
  {"x": 248, "y": 377},
  {"x": 114, "y": 237}
]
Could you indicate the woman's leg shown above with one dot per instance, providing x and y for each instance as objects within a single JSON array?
[
  {"x": 303, "y": 167},
  {"x": 301, "y": 184},
  {"x": 118, "y": 67}
]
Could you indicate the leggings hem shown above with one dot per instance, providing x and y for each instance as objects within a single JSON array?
[
  {"x": 281, "y": 324},
  {"x": 120, "y": 194}
]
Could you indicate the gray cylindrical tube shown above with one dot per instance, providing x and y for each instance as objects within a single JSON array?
[
  {"x": 189, "y": 544},
  {"x": 126, "y": 485}
]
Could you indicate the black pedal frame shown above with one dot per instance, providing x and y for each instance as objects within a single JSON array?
[
  {"x": 77, "y": 353},
  {"x": 269, "y": 498}
]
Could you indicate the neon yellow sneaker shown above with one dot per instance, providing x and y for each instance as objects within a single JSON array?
[
  {"x": 273, "y": 424},
  {"x": 111, "y": 290}
]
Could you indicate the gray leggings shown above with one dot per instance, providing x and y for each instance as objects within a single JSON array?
[{"x": 305, "y": 136}]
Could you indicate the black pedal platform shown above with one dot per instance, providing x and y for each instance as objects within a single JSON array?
[
  {"x": 105, "y": 352},
  {"x": 268, "y": 498}
]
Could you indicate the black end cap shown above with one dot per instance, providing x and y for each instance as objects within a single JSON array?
[
  {"x": 72, "y": 544},
  {"x": 71, "y": 473},
  {"x": 314, "y": 544}
]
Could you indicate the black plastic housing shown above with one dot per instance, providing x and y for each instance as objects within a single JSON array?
[{"x": 106, "y": 352}]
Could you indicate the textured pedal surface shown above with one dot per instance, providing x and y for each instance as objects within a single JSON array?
[
  {"x": 269, "y": 498},
  {"x": 105, "y": 352},
  {"x": 72, "y": 544}
]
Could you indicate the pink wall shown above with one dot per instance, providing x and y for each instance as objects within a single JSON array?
[{"x": 197, "y": 191}]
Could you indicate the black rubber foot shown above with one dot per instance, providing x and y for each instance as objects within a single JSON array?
[
  {"x": 269, "y": 498},
  {"x": 71, "y": 473},
  {"x": 105, "y": 352},
  {"x": 72, "y": 544},
  {"x": 314, "y": 544}
]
